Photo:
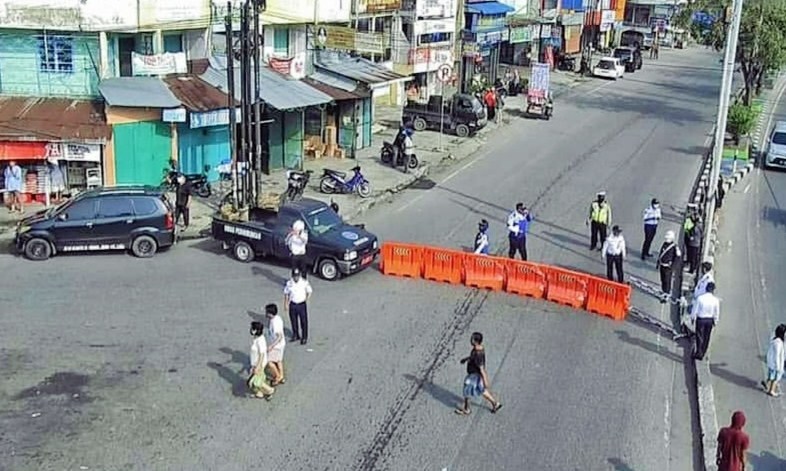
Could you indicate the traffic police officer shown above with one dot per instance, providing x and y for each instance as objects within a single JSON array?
[
  {"x": 669, "y": 253},
  {"x": 482, "y": 238},
  {"x": 599, "y": 220},
  {"x": 518, "y": 226},
  {"x": 651, "y": 218},
  {"x": 614, "y": 252}
]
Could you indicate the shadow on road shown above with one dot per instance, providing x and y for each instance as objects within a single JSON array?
[
  {"x": 766, "y": 461},
  {"x": 718, "y": 370},
  {"x": 619, "y": 465},
  {"x": 649, "y": 346},
  {"x": 270, "y": 274},
  {"x": 448, "y": 398},
  {"x": 235, "y": 378}
]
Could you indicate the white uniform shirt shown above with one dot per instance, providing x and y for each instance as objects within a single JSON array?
[
  {"x": 275, "y": 328},
  {"x": 701, "y": 286},
  {"x": 514, "y": 219},
  {"x": 298, "y": 291},
  {"x": 706, "y": 306},
  {"x": 408, "y": 145},
  {"x": 258, "y": 350},
  {"x": 614, "y": 245},
  {"x": 776, "y": 355},
  {"x": 651, "y": 215},
  {"x": 296, "y": 243}
]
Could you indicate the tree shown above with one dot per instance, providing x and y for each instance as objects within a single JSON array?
[
  {"x": 741, "y": 121},
  {"x": 761, "y": 47}
]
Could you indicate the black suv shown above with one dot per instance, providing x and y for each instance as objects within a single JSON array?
[
  {"x": 138, "y": 219},
  {"x": 630, "y": 57}
]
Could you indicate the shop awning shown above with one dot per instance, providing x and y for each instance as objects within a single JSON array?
[
  {"x": 336, "y": 87},
  {"x": 52, "y": 119},
  {"x": 137, "y": 92},
  {"x": 196, "y": 94},
  {"x": 358, "y": 69},
  {"x": 488, "y": 8},
  {"x": 276, "y": 90}
]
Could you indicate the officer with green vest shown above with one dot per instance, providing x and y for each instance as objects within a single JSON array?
[{"x": 599, "y": 220}]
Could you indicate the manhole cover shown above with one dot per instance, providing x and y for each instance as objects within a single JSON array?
[{"x": 423, "y": 184}]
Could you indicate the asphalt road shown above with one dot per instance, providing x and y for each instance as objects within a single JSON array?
[
  {"x": 143, "y": 357},
  {"x": 749, "y": 276}
]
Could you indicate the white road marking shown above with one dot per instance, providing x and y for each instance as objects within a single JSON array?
[
  {"x": 599, "y": 87},
  {"x": 459, "y": 170},
  {"x": 747, "y": 187},
  {"x": 410, "y": 202}
]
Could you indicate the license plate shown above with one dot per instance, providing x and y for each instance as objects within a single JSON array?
[{"x": 366, "y": 260}]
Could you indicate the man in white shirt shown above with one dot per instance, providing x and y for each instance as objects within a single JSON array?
[
  {"x": 707, "y": 278},
  {"x": 614, "y": 252},
  {"x": 706, "y": 313},
  {"x": 276, "y": 342},
  {"x": 652, "y": 216},
  {"x": 297, "y": 240},
  {"x": 296, "y": 293},
  {"x": 518, "y": 226}
]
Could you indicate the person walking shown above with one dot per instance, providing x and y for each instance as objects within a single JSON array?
[
  {"x": 652, "y": 217},
  {"x": 776, "y": 357},
  {"x": 476, "y": 383},
  {"x": 297, "y": 292},
  {"x": 518, "y": 226},
  {"x": 482, "y": 238},
  {"x": 257, "y": 380},
  {"x": 490, "y": 99},
  {"x": 614, "y": 252},
  {"x": 693, "y": 239},
  {"x": 275, "y": 344},
  {"x": 707, "y": 277},
  {"x": 183, "y": 200},
  {"x": 599, "y": 220},
  {"x": 14, "y": 186},
  {"x": 733, "y": 443},
  {"x": 669, "y": 253},
  {"x": 297, "y": 242},
  {"x": 705, "y": 315}
]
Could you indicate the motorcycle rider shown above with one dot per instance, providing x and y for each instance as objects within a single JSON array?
[{"x": 402, "y": 144}]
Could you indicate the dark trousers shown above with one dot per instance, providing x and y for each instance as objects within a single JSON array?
[
  {"x": 703, "y": 333},
  {"x": 299, "y": 262},
  {"x": 517, "y": 244},
  {"x": 665, "y": 279},
  {"x": 597, "y": 229},
  {"x": 614, "y": 262},
  {"x": 185, "y": 212},
  {"x": 298, "y": 319},
  {"x": 649, "y": 236},
  {"x": 692, "y": 253}
]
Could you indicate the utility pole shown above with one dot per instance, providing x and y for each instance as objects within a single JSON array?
[
  {"x": 258, "y": 39},
  {"x": 230, "y": 51},
  {"x": 244, "y": 76},
  {"x": 729, "y": 60}
]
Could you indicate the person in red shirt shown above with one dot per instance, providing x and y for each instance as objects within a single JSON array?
[
  {"x": 732, "y": 445},
  {"x": 491, "y": 103}
]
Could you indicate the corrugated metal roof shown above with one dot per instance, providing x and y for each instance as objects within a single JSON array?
[
  {"x": 335, "y": 93},
  {"x": 52, "y": 119},
  {"x": 196, "y": 94},
  {"x": 488, "y": 8},
  {"x": 335, "y": 81},
  {"x": 358, "y": 68},
  {"x": 137, "y": 92},
  {"x": 276, "y": 90}
]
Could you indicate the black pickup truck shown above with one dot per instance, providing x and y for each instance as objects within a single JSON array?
[
  {"x": 462, "y": 114},
  {"x": 334, "y": 248}
]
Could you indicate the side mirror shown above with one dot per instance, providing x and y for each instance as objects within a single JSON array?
[{"x": 62, "y": 217}]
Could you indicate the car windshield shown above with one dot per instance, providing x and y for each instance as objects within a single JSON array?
[
  {"x": 57, "y": 209},
  {"x": 323, "y": 220},
  {"x": 606, "y": 64},
  {"x": 779, "y": 138},
  {"x": 622, "y": 53}
]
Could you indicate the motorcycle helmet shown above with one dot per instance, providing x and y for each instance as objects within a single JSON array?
[
  {"x": 298, "y": 226},
  {"x": 483, "y": 225},
  {"x": 669, "y": 237}
]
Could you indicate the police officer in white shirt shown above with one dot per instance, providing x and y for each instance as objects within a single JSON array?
[
  {"x": 651, "y": 218},
  {"x": 296, "y": 293},
  {"x": 296, "y": 241},
  {"x": 518, "y": 226},
  {"x": 706, "y": 313},
  {"x": 707, "y": 278},
  {"x": 614, "y": 253}
]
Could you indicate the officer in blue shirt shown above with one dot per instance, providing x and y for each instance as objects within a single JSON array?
[
  {"x": 518, "y": 226},
  {"x": 482, "y": 238}
]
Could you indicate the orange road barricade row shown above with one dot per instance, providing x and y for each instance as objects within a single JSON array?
[
  {"x": 608, "y": 298},
  {"x": 525, "y": 278},
  {"x": 402, "y": 259},
  {"x": 566, "y": 287},
  {"x": 443, "y": 265},
  {"x": 484, "y": 272}
]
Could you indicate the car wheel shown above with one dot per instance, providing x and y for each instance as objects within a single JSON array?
[
  {"x": 243, "y": 251},
  {"x": 328, "y": 269},
  {"x": 462, "y": 130},
  {"x": 419, "y": 124},
  {"x": 38, "y": 249},
  {"x": 144, "y": 246}
]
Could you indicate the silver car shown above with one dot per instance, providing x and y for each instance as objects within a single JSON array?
[{"x": 775, "y": 153}]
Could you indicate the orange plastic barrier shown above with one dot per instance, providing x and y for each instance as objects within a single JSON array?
[
  {"x": 443, "y": 265},
  {"x": 566, "y": 287},
  {"x": 482, "y": 271},
  {"x": 608, "y": 298},
  {"x": 402, "y": 259},
  {"x": 525, "y": 278}
]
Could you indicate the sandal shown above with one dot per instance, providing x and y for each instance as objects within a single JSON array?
[
  {"x": 462, "y": 411},
  {"x": 497, "y": 407}
]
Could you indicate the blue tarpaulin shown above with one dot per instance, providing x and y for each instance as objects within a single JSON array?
[{"x": 488, "y": 8}]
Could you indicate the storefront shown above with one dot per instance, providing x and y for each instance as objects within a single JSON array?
[
  {"x": 486, "y": 29},
  {"x": 551, "y": 46},
  {"x": 517, "y": 50},
  {"x": 572, "y": 25},
  {"x": 425, "y": 62}
]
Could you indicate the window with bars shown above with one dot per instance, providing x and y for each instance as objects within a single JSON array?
[
  {"x": 281, "y": 41},
  {"x": 55, "y": 54}
]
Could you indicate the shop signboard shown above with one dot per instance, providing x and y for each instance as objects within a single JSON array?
[
  {"x": 172, "y": 14},
  {"x": 607, "y": 19},
  {"x": 159, "y": 64},
  {"x": 82, "y": 152},
  {"x": 347, "y": 39},
  {"x": 213, "y": 118},
  {"x": 377, "y": 6},
  {"x": 442, "y": 25},
  {"x": 370, "y": 43},
  {"x": 520, "y": 34},
  {"x": 435, "y": 8},
  {"x": 489, "y": 38},
  {"x": 174, "y": 115},
  {"x": 425, "y": 59},
  {"x": 68, "y": 15}
]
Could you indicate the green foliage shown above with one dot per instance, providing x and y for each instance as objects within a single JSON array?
[{"x": 741, "y": 120}]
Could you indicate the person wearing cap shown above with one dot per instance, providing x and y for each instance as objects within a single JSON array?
[
  {"x": 705, "y": 314},
  {"x": 708, "y": 276},
  {"x": 651, "y": 218},
  {"x": 296, "y": 241},
  {"x": 296, "y": 294},
  {"x": 599, "y": 220},
  {"x": 614, "y": 252},
  {"x": 482, "y": 238},
  {"x": 669, "y": 253},
  {"x": 518, "y": 226}
]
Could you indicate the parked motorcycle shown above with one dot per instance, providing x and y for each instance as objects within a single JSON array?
[
  {"x": 334, "y": 181},
  {"x": 567, "y": 63},
  {"x": 199, "y": 183},
  {"x": 296, "y": 184},
  {"x": 389, "y": 150}
]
